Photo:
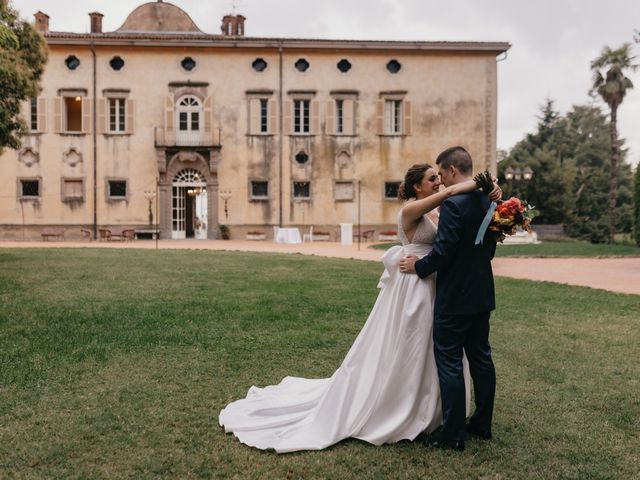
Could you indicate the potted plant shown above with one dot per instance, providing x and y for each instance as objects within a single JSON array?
[{"x": 224, "y": 232}]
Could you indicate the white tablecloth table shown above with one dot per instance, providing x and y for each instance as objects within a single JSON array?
[{"x": 288, "y": 235}]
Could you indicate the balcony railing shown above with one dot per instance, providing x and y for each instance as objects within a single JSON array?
[{"x": 171, "y": 138}]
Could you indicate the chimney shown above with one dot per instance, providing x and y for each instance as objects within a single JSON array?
[
  {"x": 42, "y": 22},
  {"x": 96, "y": 22},
  {"x": 233, "y": 25}
]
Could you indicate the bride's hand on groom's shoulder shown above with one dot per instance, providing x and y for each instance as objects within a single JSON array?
[
  {"x": 496, "y": 193},
  {"x": 408, "y": 264}
]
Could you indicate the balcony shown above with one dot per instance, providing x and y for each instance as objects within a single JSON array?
[{"x": 170, "y": 138}]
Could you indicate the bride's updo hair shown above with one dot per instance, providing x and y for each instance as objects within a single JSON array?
[{"x": 414, "y": 175}]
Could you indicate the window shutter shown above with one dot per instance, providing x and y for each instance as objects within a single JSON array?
[
  {"x": 380, "y": 117},
  {"x": 254, "y": 116},
  {"x": 348, "y": 110},
  {"x": 86, "y": 115},
  {"x": 42, "y": 114},
  {"x": 331, "y": 118},
  {"x": 25, "y": 112},
  {"x": 169, "y": 116},
  {"x": 102, "y": 115},
  {"x": 288, "y": 116},
  {"x": 131, "y": 115},
  {"x": 315, "y": 117},
  {"x": 406, "y": 125},
  {"x": 273, "y": 116},
  {"x": 208, "y": 114},
  {"x": 57, "y": 114}
]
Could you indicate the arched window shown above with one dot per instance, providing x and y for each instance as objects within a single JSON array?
[
  {"x": 189, "y": 115},
  {"x": 189, "y": 177}
]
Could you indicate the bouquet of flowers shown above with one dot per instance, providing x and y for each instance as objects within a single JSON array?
[{"x": 505, "y": 216}]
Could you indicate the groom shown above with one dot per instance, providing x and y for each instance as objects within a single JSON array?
[{"x": 463, "y": 304}]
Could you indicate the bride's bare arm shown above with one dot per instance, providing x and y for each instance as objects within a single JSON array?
[{"x": 413, "y": 211}]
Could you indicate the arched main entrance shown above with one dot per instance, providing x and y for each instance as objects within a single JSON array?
[{"x": 189, "y": 205}]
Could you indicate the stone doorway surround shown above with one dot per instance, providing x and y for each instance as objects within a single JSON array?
[{"x": 173, "y": 160}]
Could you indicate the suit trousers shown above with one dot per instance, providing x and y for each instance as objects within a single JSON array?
[{"x": 452, "y": 334}]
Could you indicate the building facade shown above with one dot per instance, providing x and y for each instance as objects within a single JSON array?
[{"x": 158, "y": 123}]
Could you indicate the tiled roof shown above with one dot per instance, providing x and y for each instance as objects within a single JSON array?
[{"x": 203, "y": 39}]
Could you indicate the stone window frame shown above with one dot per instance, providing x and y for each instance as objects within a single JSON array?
[
  {"x": 253, "y": 198},
  {"x": 259, "y": 72},
  {"x": 68, "y": 199},
  {"x": 332, "y": 111},
  {"x": 33, "y": 114},
  {"x": 85, "y": 101},
  {"x": 302, "y": 72},
  {"x": 117, "y": 94},
  {"x": 113, "y": 59},
  {"x": 29, "y": 198},
  {"x": 403, "y": 118},
  {"x": 107, "y": 191},
  {"x": 348, "y": 59},
  {"x": 353, "y": 190},
  {"x": 293, "y": 191},
  {"x": 384, "y": 190},
  {"x": 394, "y": 74},
  {"x": 305, "y": 151},
  {"x": 314, "y": 113},
  {"x": 183, "y": 69},
  {"x": 271, "y": 113}
]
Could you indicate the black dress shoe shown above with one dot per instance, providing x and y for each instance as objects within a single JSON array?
[
  {"x": 476, "y": 432},
  {"x": 437, "y": 440}
]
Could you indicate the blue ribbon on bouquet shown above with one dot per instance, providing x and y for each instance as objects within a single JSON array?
[{"x": 485, "y": 223}]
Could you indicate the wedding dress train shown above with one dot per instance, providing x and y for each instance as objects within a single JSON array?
[{"x": 386, "y": 388}]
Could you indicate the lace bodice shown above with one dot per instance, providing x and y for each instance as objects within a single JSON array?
[{"x": 425, "y": 232}]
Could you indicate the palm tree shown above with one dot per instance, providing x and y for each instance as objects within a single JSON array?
[{"x": 610, "y": 82}]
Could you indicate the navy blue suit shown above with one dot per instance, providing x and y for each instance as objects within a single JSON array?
[{"x": 465, "y": 296}]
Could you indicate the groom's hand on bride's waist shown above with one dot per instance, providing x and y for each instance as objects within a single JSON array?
[{"x": 408, "y": 264}]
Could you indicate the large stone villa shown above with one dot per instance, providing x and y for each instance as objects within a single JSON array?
[{"x": 209, "y": 129}]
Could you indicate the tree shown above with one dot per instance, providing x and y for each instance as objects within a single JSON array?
[
  {"x": 23, "y": 55},
  {"x": 569, "y": 155},
  {"x": 552, "y": 181},
  {"x": 611, "y": 84},
  {"x": 636, "y": 217}
]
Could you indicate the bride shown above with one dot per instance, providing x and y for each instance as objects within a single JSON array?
[{"x": 386, "y": 388}]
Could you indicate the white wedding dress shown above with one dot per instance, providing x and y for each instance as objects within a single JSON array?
[{"x": 386, "y": 389}]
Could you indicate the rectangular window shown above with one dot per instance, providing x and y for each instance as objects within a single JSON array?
[
  {"x": 339, "y": 116},
  {"x": 195, "y": 121},
  {"x": 117, "y": 189},
  {"x": 343, "y": 190},
  {"x": 72, "y": 189},
  {"x": 33, "y": 114},
  {"x": 264, "y": 117},
  {"x": 391, "y": 190},
  {"x": 301, "y": 190},
  {"x": 73, "y": 114},
  {"x": 29, "y": 188},
  {"x": 259, "y": 190},
  {"x": 301, "y": 120},
  {"x": 392, "y": 117},
  {"x": 117, "y": 114}
]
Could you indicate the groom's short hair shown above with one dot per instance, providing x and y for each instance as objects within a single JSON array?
[{"x": 458, "y": 157}]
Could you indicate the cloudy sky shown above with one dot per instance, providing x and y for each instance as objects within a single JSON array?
[{"x": 553, "y": 41}]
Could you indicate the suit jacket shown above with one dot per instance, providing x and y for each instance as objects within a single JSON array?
[{"x": 464, "y": 285}]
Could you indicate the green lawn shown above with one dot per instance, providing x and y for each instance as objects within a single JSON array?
[
  {"x": 558, "y": 248},
  {"x": 115, "y": 364}
]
